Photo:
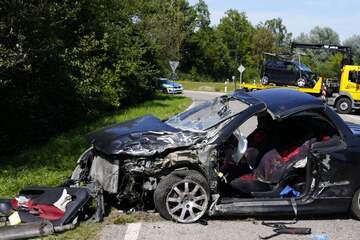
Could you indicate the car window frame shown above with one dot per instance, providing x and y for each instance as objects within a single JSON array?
[{"x": 226, "y": 131}]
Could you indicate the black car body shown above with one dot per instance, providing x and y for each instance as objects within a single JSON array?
[
  {"x": 178, "y": 165},
  {"x": 282, "y": 73}
]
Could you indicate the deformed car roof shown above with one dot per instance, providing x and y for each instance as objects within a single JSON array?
[{"x": 282, "y": 102}]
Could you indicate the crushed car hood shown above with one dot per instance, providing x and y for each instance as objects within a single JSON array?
[{"x": 144, "y": 136}]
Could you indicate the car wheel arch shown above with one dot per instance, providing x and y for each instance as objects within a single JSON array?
[
  {"x": 342, "y": 96},
  {"x": 170, "y": 181},
  {"x": 180, "y": 171}
]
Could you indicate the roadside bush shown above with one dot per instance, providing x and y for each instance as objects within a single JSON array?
[{"x": 65, "y": 62}]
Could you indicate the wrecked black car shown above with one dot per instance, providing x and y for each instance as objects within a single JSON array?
[
  {"x": 282, "y": 73},
  {"x": 271, "y": 152}
]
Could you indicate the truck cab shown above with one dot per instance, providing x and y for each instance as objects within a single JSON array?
[{"x": 347, "y": 97}]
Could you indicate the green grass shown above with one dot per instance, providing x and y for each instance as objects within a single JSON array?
[
  {"x": 51, "y": 163},
  {"x": 207, "y": 86},
  {"x": 85, "y": 231},
  {"x": 134, "y": 217}
]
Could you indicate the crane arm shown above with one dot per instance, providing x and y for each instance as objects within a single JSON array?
[{"x": 331, "y": 47}]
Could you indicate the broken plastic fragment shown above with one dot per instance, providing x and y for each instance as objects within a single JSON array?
[{"x": 14, "y": 219}]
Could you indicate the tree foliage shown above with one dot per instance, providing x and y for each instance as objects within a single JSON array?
[
  {"x": 63, "y": 62},
  {"x": 325, "y": 63},
  {"x": 66, "y": 61},
  {"x": 354, "y": 43},
  {"x": 279, "y": 32}
]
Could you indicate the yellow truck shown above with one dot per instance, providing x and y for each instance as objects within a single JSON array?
[
  {"x": 316, "y": 90},
  {"x": 344, "y": 95}
]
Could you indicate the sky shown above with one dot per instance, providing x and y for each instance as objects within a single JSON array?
[{"x": 298, "y": 15}]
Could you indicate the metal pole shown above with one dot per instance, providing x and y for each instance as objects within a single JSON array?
[{"x": 240, "y": 78}]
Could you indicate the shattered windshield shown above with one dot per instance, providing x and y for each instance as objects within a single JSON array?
[{"x": 208, "y": 114}]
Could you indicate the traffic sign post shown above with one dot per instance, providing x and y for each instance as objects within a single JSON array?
[
  {"x": 173, "y": 65},
  {"x": 241, "y": 69},
  {"x": 234, "y": 81}
]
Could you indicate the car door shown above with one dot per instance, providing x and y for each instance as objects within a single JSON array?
[
  {"x": 279, "y": 72},
  {"x": 329, "y": 188},
  {"x": 273, "y": 71},
  {"x": 290, "y": 75},
  {"x": 336, "y": 169},
  {"x": 324, "y": 160}
]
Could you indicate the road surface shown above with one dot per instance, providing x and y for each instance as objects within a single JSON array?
[{"x": 240, "y": 229}]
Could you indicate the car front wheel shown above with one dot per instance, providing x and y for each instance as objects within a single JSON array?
[
  {"x": 182, "y": 197},
  {"x": 355, "y": 205}
]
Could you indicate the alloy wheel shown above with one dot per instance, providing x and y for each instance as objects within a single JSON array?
[
  {"x": 187, "y": 201},
  {"x": 301, "y": 82}
]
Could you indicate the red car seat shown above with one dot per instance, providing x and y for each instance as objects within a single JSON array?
[{"x": 272, "y": 169}]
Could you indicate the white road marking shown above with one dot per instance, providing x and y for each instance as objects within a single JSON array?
[
  {"x": 191, "y": 106},
  {"x": 132, "y": 231}
]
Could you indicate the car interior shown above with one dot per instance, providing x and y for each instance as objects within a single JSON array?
[{"x": 271, "y": 161}]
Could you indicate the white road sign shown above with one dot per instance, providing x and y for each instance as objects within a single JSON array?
[
  {"x": 174, "y": 65},
  {"x": 241, "y": 69}
]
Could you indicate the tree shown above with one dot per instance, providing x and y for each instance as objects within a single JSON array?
[
  {"x": 324, "y": 35},
  {"x": 202, "y": 15},
  {"x": 302, "y": 38},
  {"x": 236, "y": 31},
  {"x": 319, "y": 35},
  {"x": 321, "y": 61},
  {"x": 167, "y": 23},
  {"x": 263, "y": 41},
  {"x": 63, "y": 62},
  {"x": 331, "y": 67},
  {"x": 354, "y": 43},
  {"x": 279, "y": 31},
  {"x": 205, "y": 55}
]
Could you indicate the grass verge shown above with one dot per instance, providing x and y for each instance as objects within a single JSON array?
[
  {"x": 85, "y": 231},
  {"x": 207, "y": 86},
  {"x": 53, "y": 162}
]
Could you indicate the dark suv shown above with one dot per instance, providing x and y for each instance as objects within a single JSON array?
[{"x": 282, "y": 72}]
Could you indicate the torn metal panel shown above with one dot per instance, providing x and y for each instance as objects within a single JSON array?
[
  {"x": 106, "y": 173},
  {"x": 175, "y": 158}
]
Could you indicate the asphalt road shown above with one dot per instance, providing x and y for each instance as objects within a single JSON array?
[{"x": 334, "y": 229}]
